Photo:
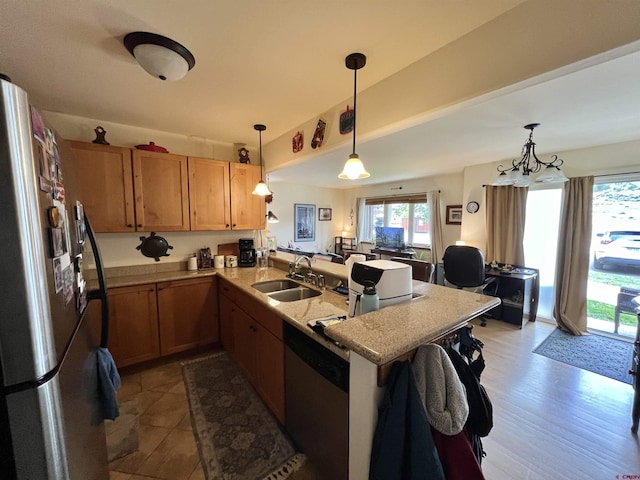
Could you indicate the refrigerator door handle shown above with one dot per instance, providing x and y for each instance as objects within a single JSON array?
[{"x": 101, "y": 292}]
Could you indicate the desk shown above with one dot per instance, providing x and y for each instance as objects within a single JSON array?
[
  {"x": 519, "y": 293},
  {"x": 389, "y": 252}
]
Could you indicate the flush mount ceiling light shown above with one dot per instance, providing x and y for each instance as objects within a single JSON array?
[
  {"x": 160, "y": 56},
  {"x": 261, "y": 188},
  {"x": 519, "y": 174},
  {"x": 353, "y": 168},
  {"x": 271, "y": 217}
]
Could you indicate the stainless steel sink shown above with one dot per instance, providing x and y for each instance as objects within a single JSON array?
[
  {"x": 294, "y": 294},
  {"x": 275, "y": 285}
]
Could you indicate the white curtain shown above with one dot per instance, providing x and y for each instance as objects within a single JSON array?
[
  {"x": 435, "y": 226},
  {"x": 363, "y": 224}
]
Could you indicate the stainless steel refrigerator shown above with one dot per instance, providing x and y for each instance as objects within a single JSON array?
[{"x": 51, "y": 426}]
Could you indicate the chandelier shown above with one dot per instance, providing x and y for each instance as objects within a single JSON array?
[{"x": 519, "y": 173}]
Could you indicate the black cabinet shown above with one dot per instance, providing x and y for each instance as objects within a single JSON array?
[
  {"x": 518, "y": 291},
  {"x": 344, "y": 243}
]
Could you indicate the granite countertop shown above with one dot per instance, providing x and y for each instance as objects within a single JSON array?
[{"x": 378, "y": 336}]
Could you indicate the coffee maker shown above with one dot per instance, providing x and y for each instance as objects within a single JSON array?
[{"x": 247, "y": 257}]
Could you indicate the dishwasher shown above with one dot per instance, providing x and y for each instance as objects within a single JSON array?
[{"x": 317, "y": 403}]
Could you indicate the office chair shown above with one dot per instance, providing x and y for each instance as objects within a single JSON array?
[
  {"x": 420, "y": 269},
  {"x": 464, "y": 268}
]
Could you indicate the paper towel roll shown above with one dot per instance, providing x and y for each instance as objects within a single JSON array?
[
  {"x": 192, "y": 264},
  {"x": 218, "y": 261}
]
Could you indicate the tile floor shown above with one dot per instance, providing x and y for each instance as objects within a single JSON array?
[{"x": 167, "y": 449}]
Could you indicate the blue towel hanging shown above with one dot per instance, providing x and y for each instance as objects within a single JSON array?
[{"x": 108, "y": 383}]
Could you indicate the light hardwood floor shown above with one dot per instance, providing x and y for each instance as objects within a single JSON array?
[{"x": 551, "y": 420}]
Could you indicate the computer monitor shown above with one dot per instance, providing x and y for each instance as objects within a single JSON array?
[{"x": 390, "y": 237}]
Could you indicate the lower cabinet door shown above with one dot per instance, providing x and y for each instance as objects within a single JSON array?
[
  {"x": 188, "y": 314},
  {"x": 133, "y": 324},
  {"x": 270, "y": 371},
  {"x": 244, "y": 333},
  {"x": 227, "y": 312}
]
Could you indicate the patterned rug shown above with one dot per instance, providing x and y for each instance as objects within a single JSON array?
[
  {"x": 237, "y": 436},
  {"x": 596, "y": 353}
]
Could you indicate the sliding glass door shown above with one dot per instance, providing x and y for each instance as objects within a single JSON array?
[{"x": 614, "y": 274}]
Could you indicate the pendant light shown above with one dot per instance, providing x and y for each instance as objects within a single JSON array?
[
  {"x": 353, "y": 168},
  {"x": 160, "y": 56},
  {"x": 261, "y": 188}
]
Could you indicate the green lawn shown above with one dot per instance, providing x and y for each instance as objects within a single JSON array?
[
  {"x": 604, "y": 311},
  {"x": 617, "y": 279}
]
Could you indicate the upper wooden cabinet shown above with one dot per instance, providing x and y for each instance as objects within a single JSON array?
[
  {"x": 209, "y": 195},
  {"x": 161, "y": 191},
  {"x": 107, "y": 185},
  {"x": 127, "y": 190},
  {"x": 247, "y": 210}
]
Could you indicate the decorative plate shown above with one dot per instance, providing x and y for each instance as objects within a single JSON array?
[{"x": 152, "y": 147}]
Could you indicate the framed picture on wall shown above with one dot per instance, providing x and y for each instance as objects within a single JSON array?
[
  {"x": 324, "y": 214},
  {"x": 454, "y": 214},
  {"x": 304, "y": 222}
]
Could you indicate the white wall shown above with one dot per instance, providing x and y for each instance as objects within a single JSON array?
[
  {"x": 285, "y": 195},
  {"x": 79, "y": 128}
]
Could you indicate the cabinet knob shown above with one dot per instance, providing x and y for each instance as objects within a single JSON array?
[
  {"x": 139, "y": 225},
  {"x": 130, "y": 225},
  {"x": 227, "y": 225},
  {"x": 233, "y": 225}
]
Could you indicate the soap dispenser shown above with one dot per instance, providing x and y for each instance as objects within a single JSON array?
[{"x": 370, "y": 301}]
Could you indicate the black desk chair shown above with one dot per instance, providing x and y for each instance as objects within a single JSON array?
[{"x": 464, "y": 268}]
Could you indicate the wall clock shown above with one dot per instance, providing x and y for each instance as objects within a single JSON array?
[{"x": 472, "y": 207}]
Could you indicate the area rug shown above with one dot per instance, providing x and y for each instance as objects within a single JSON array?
[
  {"x": 237, "y": 436},
  {"x": 596, "y": 353}
]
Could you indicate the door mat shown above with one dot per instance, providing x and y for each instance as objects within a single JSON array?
[
  {"x": 596, "y": 353},
  {"x": 237, "y": 436}
]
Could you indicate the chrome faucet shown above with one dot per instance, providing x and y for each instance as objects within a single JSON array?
[{"x": 304, "y": 257}]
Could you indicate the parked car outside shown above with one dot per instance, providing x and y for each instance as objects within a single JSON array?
[{"x": 619, "y": 248}]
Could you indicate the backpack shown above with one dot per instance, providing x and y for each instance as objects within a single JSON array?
[{"x": 480, "y": 419}]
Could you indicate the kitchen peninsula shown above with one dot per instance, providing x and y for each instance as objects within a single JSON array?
[{"x": 368, "y": 342}]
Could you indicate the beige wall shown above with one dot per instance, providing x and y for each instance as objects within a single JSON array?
[
  {"x": 607, "y": 159},
  {"x": 119, "y": 249},
  {"x": 502, "y": 55}
]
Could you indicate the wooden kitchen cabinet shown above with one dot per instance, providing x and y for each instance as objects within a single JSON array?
[
  {"x": 226, "y": 301},
  {"x": 209, "y": 194},
  {"x": 244, "y": 333},
  {"x": 128, "y": 190},
  {"x": 107, "y": 185},
  {"x": 133, "y": 324},
  {"x": 161, "y": 189},
  {"x": 270, "y": 370},
  {"x": 255, "y": 335},
  {"x": 187, "y": 314},
  {"x": 247, "y": 210}
]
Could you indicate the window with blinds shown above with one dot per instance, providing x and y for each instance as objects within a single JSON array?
[{"x": 407, "y": 211}]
